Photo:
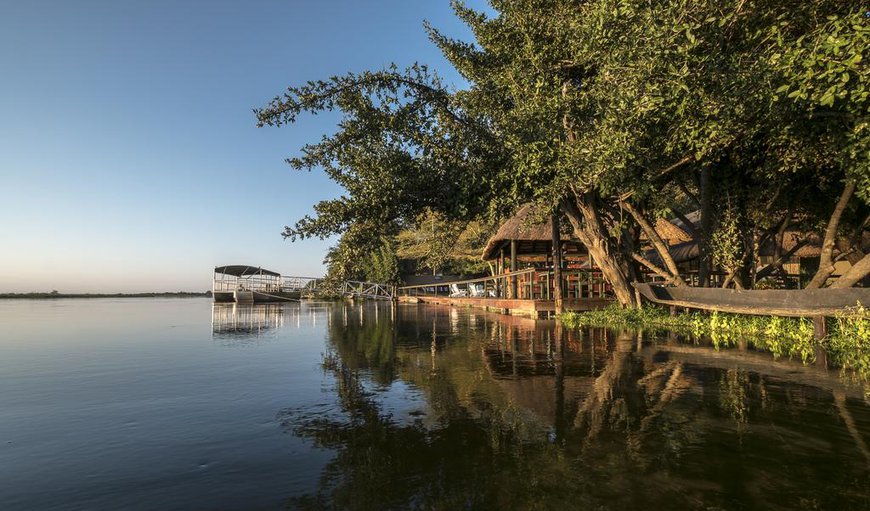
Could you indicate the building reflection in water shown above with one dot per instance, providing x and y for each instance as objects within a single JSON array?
[
  {"x": 518, "y": 413},
  {"x": 243, "y": 321},
  {"x": 246, "y": 319}
]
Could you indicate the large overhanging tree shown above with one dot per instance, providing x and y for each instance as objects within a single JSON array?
[{"x": 613, "y": 112}]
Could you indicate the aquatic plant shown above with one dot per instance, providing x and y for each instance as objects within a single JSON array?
[
  {"x": 646, "y": 318},
  {"x": 847, "y": 342}
]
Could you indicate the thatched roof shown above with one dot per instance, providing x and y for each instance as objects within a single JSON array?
[
  {"x": 530, "y": 226},
  {"x": 526, "y": 225},
  {"x": 686, "y": 251},
  {"x": 671, "y": 232},
  {"x": 674, "y": 231},
  {"x": 790, "y": 240},
  {"x": 811, "y": 247}
]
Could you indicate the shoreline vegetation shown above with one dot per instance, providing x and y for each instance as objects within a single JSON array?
[
  {"x": 847, "y": 344},
  {"x": 745, "y": 129},
  {"x": 55, "y": 294}
]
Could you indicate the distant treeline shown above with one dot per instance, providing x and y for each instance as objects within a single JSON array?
[{"x": 56, "y": 294}]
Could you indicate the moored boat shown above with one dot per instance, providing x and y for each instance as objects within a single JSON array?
[
  {"x": 242, "y": 283},
  {"x": 243, "y": 296},
  {"x": 774, "y": 302}
]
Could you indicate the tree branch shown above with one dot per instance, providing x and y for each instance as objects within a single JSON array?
[
  {"x": 685, "y": 189},
  {"x": 770, "y": 268},
  {"x": 856, "y": 273},
  {"x": 826, "y": 263},
  {"x": 657, "y": 270},
  {"x": 657, "y": 242},
  {"x": 662, "y": 173}
]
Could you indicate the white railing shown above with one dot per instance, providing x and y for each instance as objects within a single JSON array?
[
  {"x": 265, "y": 283},
  {"x": 368, "y": 290},
  {"x": 526, "y": 284},
  {"x": 301, "y": 284}
]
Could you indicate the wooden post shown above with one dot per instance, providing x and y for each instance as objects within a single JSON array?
[
  {"x": 546, "y": 284},
  {"x": 557, "y": 265},
  {"x": 820, "y": 328},
  {"x": 502, "y": 290},
  {"x": 513, "y": 269}
]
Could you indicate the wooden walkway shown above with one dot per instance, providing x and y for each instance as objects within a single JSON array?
[{"x": 532, "y": 308}]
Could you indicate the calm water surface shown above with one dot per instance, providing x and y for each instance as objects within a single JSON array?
[{"x": 183, "y": 404}]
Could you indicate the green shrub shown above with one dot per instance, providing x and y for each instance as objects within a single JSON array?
[{"x": 848, "y": 342}]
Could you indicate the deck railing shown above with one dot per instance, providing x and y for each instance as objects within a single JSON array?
[
  {"x": 291, "y": 284},
  {"x": 265, "y": 283},
  {"x": 260, "y": 283},
  {"x": 531, "y": 284}
]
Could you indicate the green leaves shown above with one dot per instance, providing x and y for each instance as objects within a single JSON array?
[{"x": 596, "y": 97}]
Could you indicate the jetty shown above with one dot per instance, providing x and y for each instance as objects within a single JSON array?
[
  {"x": 249, "y": 284},
  {"x": 528, "y": 292},
  {"x": 254, "y": 284}
]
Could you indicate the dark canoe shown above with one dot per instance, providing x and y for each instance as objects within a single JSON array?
[{"x": 773, "y": 302}]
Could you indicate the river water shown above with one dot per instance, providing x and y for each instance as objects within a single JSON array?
[{"x": 185, "y": 404}]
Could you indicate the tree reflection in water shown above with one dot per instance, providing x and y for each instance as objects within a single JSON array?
[{"x": 521, "y": 414}]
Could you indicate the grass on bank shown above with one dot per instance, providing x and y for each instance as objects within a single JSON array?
[{"x": 847, "y": 342}]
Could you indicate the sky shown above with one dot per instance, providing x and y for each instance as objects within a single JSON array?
[{"x": 130, "y": 159}]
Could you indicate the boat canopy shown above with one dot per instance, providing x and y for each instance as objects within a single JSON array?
[{"x": 240, "y": 270}]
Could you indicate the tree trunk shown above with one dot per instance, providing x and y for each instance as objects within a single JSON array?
[
  {"x": 779, "y": 241},
  {"x": 705, "y": 259},
  {"x": 581, "y": 212},
  {"x": 826, "y": 259},
  {"x": 670, "y": 279},
  {"x": 727, "y": 280},
  {"x": 557, "y": 264},
  {"x": 591, "y": 232},
  {"x": 754, "y": 256},
  {"x": 855, "y": 274}
]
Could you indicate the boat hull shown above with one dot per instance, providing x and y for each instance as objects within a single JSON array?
[
  {"x": 241, "y": 296},
  {"x": 223, "y": 296},
  {"x": 767, "y": 302},
  {"x": 276, "y": 296},
  {"x": 255, "y": 296}
]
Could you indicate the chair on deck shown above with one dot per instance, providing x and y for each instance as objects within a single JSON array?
[
  {"x": 479, "y": 291},
  {"x": 455, "y": 292}
]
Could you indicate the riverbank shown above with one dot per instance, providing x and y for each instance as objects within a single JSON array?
[
  {"x": 847, "y": 344},
  {"x": 53, "y": 295}
]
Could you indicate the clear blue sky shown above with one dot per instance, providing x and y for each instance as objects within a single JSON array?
[{"x": 129, "y": 156}]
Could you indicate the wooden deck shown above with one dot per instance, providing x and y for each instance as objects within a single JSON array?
[{"x": 532, "y": 308}]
